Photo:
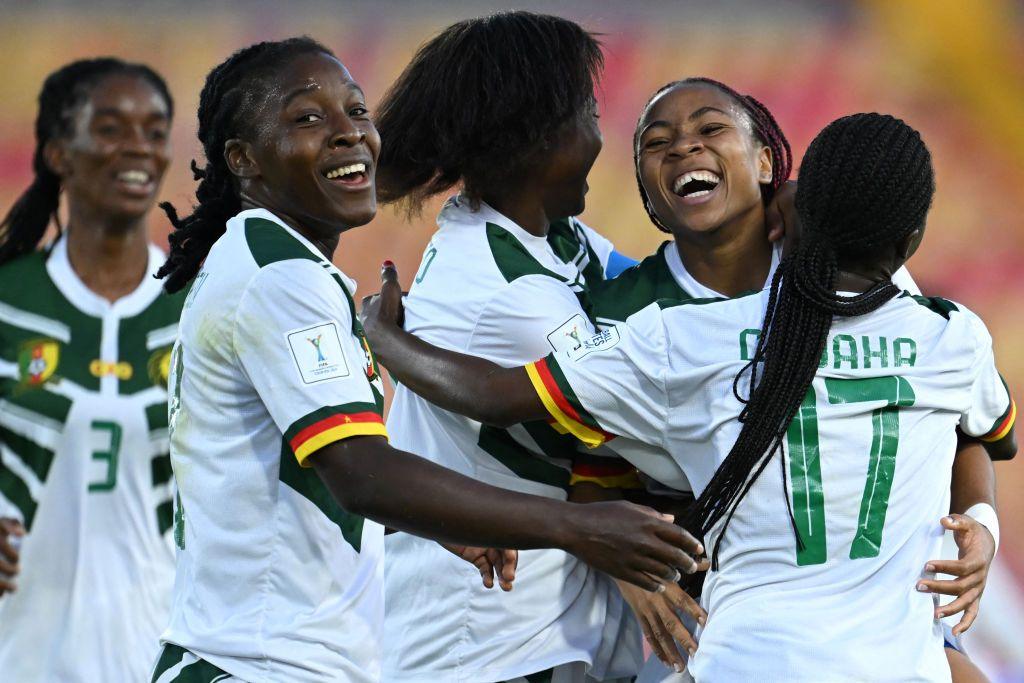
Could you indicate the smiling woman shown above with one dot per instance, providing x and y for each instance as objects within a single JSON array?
[
  {"x": 84, "y": 340},
  {"x": 278, "y": 444}
]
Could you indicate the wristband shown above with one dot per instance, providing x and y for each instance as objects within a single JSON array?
[{"x": 985, "y": 515}]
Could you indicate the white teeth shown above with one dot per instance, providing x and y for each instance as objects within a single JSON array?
[
  {"x": 133, "y": 177},
  {"x": 345, "y": 170},
  {"x": 706, "y": 176}
]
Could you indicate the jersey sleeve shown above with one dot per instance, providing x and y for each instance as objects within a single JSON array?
[
  {"x": 612, "y": 384},
  {"x": 992, "y": 410},
  {"x": 531, "y": 316},
  {"x": 295, "y": 342}
]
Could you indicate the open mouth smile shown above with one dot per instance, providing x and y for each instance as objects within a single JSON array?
[
  {"x": 696, "y": 187},
  {"x": 351, "y": 176}
]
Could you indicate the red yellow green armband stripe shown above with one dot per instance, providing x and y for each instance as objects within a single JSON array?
[
  {"x": 613, "y": 474},
  {"x": 563, "y": 405},
  {"x": 334, "y": 423},
  {"x": 1003, "y": 425}
]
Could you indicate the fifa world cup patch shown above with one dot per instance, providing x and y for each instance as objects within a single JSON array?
[
  {"x": 570, "y": 335},
  {"x": 317, "y": 352},
  {"x": 602, "y": 341}
]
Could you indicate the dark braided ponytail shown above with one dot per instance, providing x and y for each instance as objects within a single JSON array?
[
  {"x": 765, "y": 128},
  {"x": 227, "y": 107},
  {"x": 866, "y": 183},
  {"x": 63, "y": 93}
]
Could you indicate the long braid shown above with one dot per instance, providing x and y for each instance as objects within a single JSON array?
[
  {"x": 765, "y": 128},
  {"x": 866, "y": 182},
  {"x": 62, "y": 94},
  {"x": 226, "y": 105}
]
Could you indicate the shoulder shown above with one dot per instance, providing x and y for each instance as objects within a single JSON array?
[
  {"x": 25, "y": 277},
  {"x": 636, "y": 287},
  {"x": 511, "y": 257},
  {"x": 269, "y": 243}
]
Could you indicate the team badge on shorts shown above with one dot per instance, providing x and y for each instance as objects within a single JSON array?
[
  {"x": 317, "y": 352},
  {"x": 37, "y": 361}
]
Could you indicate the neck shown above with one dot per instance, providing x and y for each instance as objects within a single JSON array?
[
  {"x": 859, "y": 282},
  {"x": 523, "y": 207},
  {"x": 326, "y": 242},
  {"x": 111, "y": 257},
  {"x": 731, "y": 259}
]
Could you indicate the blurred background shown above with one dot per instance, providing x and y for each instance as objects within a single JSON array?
[{"x": 953, "y": 70}]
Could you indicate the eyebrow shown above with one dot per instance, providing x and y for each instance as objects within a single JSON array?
[
  {"x": 695, "y": 115},
  {"x": 111, "y": 111},
  {"x": 310, "y": 87}
]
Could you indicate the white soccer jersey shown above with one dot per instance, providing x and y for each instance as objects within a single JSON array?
[
  {"x": 489, "y": 288},
  {"x": 867, "y": 466},
  {"x": 84, "y": 465},
  {"x": 275, "y": 581}
]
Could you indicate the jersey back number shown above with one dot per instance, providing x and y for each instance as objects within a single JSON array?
[{"x": 805, "y": 464}]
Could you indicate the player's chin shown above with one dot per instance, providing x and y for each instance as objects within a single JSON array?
[{"x": 356, "y": 213}]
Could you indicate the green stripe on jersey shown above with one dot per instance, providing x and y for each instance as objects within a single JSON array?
[
  {"x": 196, "y": 670},
  {"x": 156, "y": 416},
  {"x": 570, "y": 244},
  {"x": 160, "y": 469},
  {"x": 37, "y": 400},
  {"x": 35, "y": 457},
  {"x": 512, "y": 258},
  {"x": 636, "y": 288},
  {"x": 165, "y": 516},
  {"x": 500, "y": 445},
  {"x": 936, "y": 304},
  {"x": 269, "y": 243},
  {"x": 133, "y": 342},
  {"x": 307, "y": 483}
]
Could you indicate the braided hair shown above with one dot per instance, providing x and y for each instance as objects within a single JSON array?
[
  {"x": 227, "y": 108},
  {"x": 765, "y": 128},
  {"x": 64, "y": 91},
  {"x": 866, "y": 183},
  {"x": 479, "y": 101}
]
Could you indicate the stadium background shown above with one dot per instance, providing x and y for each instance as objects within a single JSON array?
[{"x": 954, "y": 70}]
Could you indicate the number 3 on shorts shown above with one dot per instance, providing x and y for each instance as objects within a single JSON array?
[{"x": 805, "y": 464}]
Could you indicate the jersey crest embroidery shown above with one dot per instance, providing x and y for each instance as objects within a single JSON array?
[{"x": 38, "y": 360}]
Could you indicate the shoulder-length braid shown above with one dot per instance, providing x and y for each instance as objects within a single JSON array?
[
  {"x": 765, "y": 128},
  {"x": 226, "y": 109},
  {"x": 63, "y": 92},
  {"x": 865, "y": 183}
]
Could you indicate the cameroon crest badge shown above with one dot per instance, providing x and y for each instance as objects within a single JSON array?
[{"x": 38, "y": 360}]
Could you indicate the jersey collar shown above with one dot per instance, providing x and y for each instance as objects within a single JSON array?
[
  {"x": 694, "y": 288},
  {"x": 58, "y": 266}
]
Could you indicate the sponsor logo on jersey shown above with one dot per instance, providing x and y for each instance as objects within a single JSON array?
[
  {"x": 317, "y": 352},
  {"x": 38, "y": 360},
  {"x": 119, "y": 369},
  {"x": 159, "y": 366}
]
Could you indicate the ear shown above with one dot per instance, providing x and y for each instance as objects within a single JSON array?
[
  {"x": 55, "y": 157},
  {"x": 906, "y": 247},
  {"x": 764, "y": 165},
  {"x": 240, "y": 160}
]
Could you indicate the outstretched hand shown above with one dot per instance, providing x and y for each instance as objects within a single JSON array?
[
  {"x": 977, "y": 549},
  {"x": 384, "y": 308},
  {"x": 660, "y": 619},
  {"x": 491, "y": 562}
]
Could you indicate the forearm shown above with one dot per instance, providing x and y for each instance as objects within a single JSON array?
[
  {"x": 464, "y": 384},
  {"x": 441, "y": 504},
  {"x": 974, "y": 477}
]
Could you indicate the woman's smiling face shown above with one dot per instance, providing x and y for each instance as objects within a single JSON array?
[
  {"x": 314, "y": 152},
  {"x": 698, "y": 159}
]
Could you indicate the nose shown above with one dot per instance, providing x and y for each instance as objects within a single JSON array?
[
  {"x": 685, "y": 145},
  {"x": 347, "y": 135},
  {"x": 138, "y": 143}
]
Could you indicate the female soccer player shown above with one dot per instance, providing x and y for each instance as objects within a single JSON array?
[
  {"x": 85, "y": 337},
  {"x": 505, "y": 106},
  {"x": 277, "y": 440},
  {"x": 831, "y": 347}
]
